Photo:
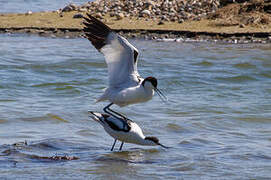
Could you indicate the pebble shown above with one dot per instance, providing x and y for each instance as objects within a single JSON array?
[
  {"x": 67, "y": 9},
  {"x": 82, "y": 10},
  {"x": 70, "y": 7},
  {"x": 166, "y": 10},
  {"x": 145, "y": 13},
  {"x": 119, "y": 16},
  {"x": 78, "y": 15},
  {"x": 73, "y": 6},
  {"x": 242, "y": 26},
  {"x": 160, "y": 23},
  {"x": 181, "y": 21},
  {"x": 160, "y": 11}
]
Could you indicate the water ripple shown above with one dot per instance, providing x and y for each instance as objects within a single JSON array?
[
  {"x": 217, "y": 119},
  {"x": 245, "y": 65},
  {"x": 237, "y": 79}
]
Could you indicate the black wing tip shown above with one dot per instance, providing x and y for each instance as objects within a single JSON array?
[
  {"x": 95, "y": 31},
  {"x": 92, "y": 20}
]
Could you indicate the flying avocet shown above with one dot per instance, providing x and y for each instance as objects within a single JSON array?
[
  {"x": 125, "y": 84},
  {"x": 124, "y": 130}
]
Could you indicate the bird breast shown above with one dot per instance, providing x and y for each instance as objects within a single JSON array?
[{"x": 131, "y": 95}]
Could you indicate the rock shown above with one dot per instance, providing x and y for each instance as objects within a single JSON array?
[
  {"x": 41, "y": 31},
  {"x": 112, "y": 14},
  {"x": 55, "y": 30},
  {"x": 70, "y": 7},
  {"x": 180, "y": 21},
  {"x": 78, "y": 15},
  {"x": 173, "y": 19},
  {"x": 73, "y": 6},
  {"x": 161, "y": 23},
  {"x": 67, "y": 9},
  {"x": 133, "y": 36},
  {"x": 242, "y": 26},
  {"x": 164, "y": 18},
  {"x": 119, "y": 16},
  {"x": 158, "y": 12},
  {"x": 82, "y": 10},
  {"x": 99, "y": 15},
  {"x": 145, "y": 13},
  {"x": 197, "y": 18},
  {"x": 225, "y": 2},
  {"x": 166, "y": 10}
]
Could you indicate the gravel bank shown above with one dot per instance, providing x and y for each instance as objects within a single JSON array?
[{"x": 203, "y": 20}]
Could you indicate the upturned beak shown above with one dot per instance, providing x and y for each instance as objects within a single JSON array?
[
  {"x": 161, "y": 95},
  {"x": 162, "y": 146}
]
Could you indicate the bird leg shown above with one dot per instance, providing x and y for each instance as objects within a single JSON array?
[
  {"x": 107, "y": 109},
  {"x": 113, "y": 145},
  {"x": 121, "y": 146}
]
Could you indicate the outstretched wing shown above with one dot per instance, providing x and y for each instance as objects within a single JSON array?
[{"x": 120, "y": 55}]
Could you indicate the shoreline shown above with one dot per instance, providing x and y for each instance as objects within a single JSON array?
[
  {"x": 51, "y": 24},
  {"x": 160, "y": 35}
]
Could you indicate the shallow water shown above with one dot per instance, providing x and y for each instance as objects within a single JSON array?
[{"x": 217, "y": 121}]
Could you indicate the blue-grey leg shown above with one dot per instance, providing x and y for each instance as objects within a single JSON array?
[
  {"x": 107, "y": 109},
  {"x": 113, "y": 145},
  {"x": 121, "y": 146}
]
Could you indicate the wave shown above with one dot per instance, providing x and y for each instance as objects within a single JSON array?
[
  {"x": 244, "y": 66},
  {"x": 237, "y": 79}
]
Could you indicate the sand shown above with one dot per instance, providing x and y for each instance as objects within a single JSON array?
[{"x": 53, "y": 22}]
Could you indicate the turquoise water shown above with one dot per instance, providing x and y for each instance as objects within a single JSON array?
[{"x": 217, "y": 122}]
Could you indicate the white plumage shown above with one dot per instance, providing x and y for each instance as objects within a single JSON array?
[
  {"x": 125, "y": 85},
  {"x": 119, "y": 56},
  {"x": 124, "y": 130}
]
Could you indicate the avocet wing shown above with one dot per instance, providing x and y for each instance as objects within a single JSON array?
[{"x": 120, "y": 55}]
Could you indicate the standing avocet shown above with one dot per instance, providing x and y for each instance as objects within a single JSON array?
[
  {"x": 124, "y": 130},
  {"x": 125, "y": 85}
]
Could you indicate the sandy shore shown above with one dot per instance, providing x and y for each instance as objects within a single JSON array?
[{"x": 56, "y": 24}]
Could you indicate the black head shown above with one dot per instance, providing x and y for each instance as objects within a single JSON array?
[
  {"x": 154, "y": 83},
  {"x": 152, "y": 80},
  {"x": 155, "y": 140}
]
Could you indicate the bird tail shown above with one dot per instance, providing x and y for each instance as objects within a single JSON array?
[
  {"x": 98, "y": 117},
  {"x": 103, "y": 97},
  {"x": 95, "y": 116}
]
